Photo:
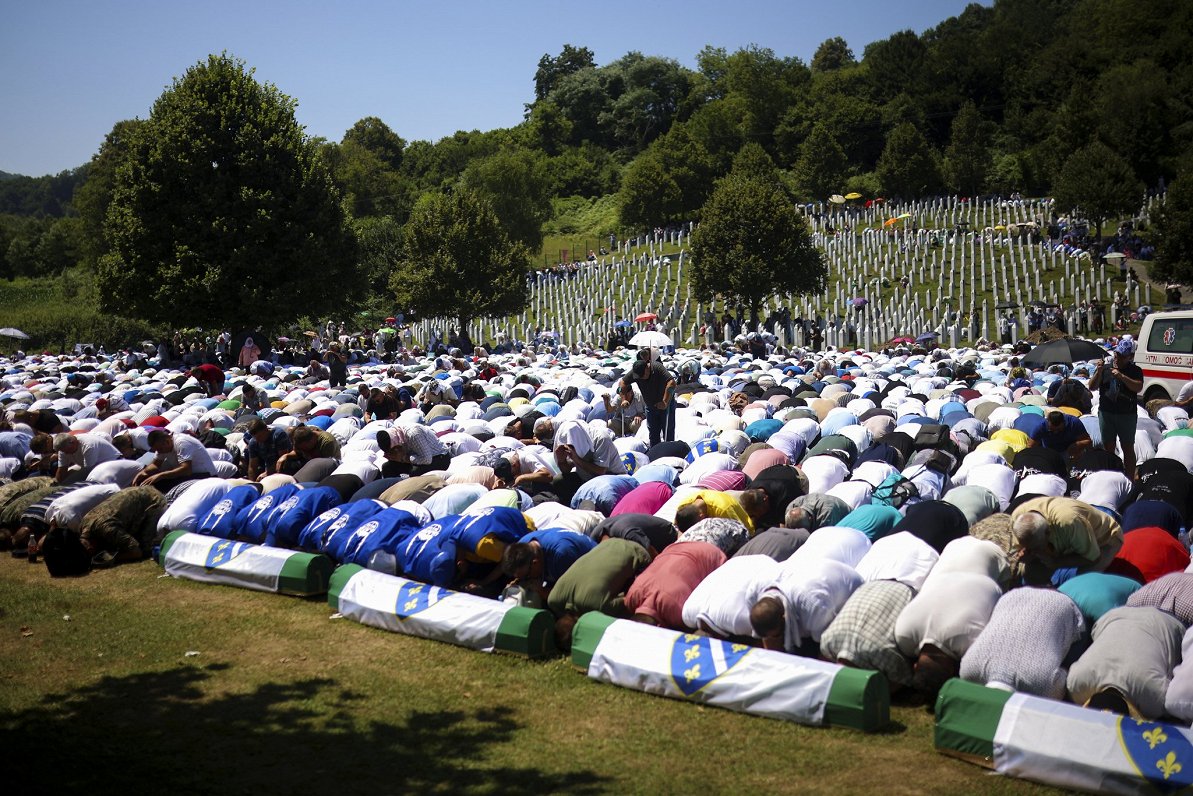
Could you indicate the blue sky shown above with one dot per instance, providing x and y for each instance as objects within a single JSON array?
[{"x": 71, "y": 69}]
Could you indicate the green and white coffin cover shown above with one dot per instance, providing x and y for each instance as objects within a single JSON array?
[
  {"x": 418, "y": 609},
  {"x": 733, "y": 676},
  {"x": 1066, "y": 745},
  {"x": 210, "y": 559}
]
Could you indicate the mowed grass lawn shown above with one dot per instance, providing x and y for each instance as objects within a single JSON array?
[{"x": 282, "y": 699}]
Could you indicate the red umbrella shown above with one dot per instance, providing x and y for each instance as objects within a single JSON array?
[
  {"x": 391, "y": 319},
  {"x": 644, "y": 317}
]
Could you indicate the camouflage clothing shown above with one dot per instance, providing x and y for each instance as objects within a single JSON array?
[
  {"x": 16, "y": 489},
  {"x": 10, "y": 513},
  {"x": 125, "y": 522}
]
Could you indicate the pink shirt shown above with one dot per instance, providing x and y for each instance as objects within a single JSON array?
[
  {"x": 645, "y": 499},
  {"x": 663, "y": 587}
]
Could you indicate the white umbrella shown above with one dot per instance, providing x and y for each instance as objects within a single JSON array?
[
  {"x": 651, "y": 339},
  {"x": 8, "y": 331}
]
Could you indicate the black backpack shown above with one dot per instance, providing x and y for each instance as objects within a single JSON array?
[
  {"x": 64, "y": 554},
  {"x": 931, "y": 436}
]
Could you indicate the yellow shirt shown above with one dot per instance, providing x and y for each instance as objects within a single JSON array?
[
  {"x": 721, "y": 504},
  {"x": 1074, "y": 527}
]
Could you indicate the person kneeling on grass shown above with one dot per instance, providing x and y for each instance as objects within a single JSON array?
[
  {"x": 123, "y": 526},
  {"x": 597, "y": 581},
  {"x": 411, "y": 450},
  {"x": 802, "y": 603},
  {"x": 307, "y": 444},
  {"x": 79, "y": 454},
  {"x": 180, "y": 457},
  {"x": 539, "y": 559}
]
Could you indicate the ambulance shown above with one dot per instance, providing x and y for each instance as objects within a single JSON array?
[{"x": 1165, "y": 353}]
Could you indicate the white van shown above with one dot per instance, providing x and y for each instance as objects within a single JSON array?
[{"x": 1165, "y": 353}]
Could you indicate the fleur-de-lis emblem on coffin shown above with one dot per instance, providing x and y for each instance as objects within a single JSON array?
[
  {"x": 1168, "y": 766},
  {"x": 696, "y": 661},
  {"x": 414, "y": 597},
  {"x": 1162, "y": 754},
  {"x": 1155, "y": 737}
]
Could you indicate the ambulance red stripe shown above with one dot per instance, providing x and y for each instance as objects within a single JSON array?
[{"x": 1156, "y": 373}]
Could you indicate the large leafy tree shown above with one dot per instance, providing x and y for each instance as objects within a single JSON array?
[
  {"x": 832, "y": 54},
  {"x": 648, "y": 193},
  {"x": 668, "y": 182},
  {"x": 1174, "y": 234},
  {"x": 223, "y": 212},
  {"x": 753, "y": 243},
  {"x": 1096, "y": 181},
  {"x": 368, "y": 184},
  {"x": 650, "y": 92},
  {"x": 822, "y": 166},
  {"x": 762, "y": 85},
  {"x": 551, "y": 70},
  {"x": 376, "y": 136},
  {"x": 516, "y": 184},
  {"x": 908, "y": 167},
  {"x": 458, "y": 262},
  {"x": 967, "y": 159},
  {"x": 92, "y": 198}
]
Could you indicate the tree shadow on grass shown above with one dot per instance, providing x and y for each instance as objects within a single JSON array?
[{"x": 173, "y": 731}]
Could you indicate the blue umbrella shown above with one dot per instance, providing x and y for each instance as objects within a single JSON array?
[
  {"x": 622, "y": 324},
  {"x": 926, "y": 337}
]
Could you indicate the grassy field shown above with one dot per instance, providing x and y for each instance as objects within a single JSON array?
[{"x": 122, "y": 681}]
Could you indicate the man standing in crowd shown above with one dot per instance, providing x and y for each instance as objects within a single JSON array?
[
  {"x": 657, "y": 386},
  {"x": 1119, "y": 384}
]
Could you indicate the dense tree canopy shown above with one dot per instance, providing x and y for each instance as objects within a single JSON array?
[
  {"x": 822, "y": 165},
  {"x": 753, "y": 243},
  {"x": 1099, "y": 183},
  {"x": 374, "y": 135},
  {"x": 967, "y": 160},
  {"x": 1174, "y": 234},
  {"x": 832, "y": 54},
  {"x": 516, "y": 185},
  {"x": 908, "y": 167},
  {"x": 223, "y": 213},
  {"x": 551, "y": 70},
  {"x": 92, "y": 198},
  {"x": 457, "y": 261}
]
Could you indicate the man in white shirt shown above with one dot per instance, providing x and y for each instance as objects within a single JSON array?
[
  {"x": 901, "y": 557},
  {"x": 939, "y": 626},
  {"x": 79, "y": 454},
  {"x": 179, "y": 458},
  {"x": 720, "y": 605},
  {"x": 802, "y": 602}
]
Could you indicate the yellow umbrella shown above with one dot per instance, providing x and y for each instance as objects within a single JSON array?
[
  {"x": 904, "y": 215},
  {"x": 854, "y": 195},
  {"x": 1000, "y": 228}
]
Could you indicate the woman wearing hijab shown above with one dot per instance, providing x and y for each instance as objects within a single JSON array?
[{"x": 250, "y": 352}]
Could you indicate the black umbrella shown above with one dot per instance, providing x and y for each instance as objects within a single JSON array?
[
  {"x": 1006, "y": 305},
  {"x": 1063, "y": 351}
]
